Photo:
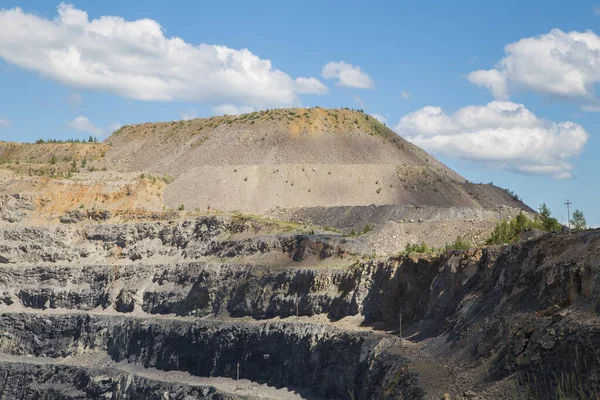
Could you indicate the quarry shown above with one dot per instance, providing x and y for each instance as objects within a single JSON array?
[{"x": 268, "y": 255}]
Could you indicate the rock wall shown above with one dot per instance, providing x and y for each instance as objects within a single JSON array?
[{"x": 526, "y": 310}]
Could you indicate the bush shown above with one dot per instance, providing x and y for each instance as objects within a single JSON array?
[
  {"x": 459, "y": 244},
  {"x": 418, "y": 248},
  {"x": 508, "y": 232}
]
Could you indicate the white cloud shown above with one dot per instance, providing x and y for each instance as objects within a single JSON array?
[
  {"x": 4, "y": 123},
  {"x": 85, "y": 126},
  {"x": 74, "y": 99},
  {"x": 135, "y": 59},
  {"x": 347, "y": 75},
  {"x": 493, "y": 80},
  {"x": 596, "y": 10},
  {"x": 558, "y": 64},
  {"x": 190, "y": 114},
  {"x": 228, "y": 109},
  {"x": 500, "y": 134},
  {"x": 380, "y": 118},
  {"x": 310, "y": 86},
  {"x": 405, "y": 95}
]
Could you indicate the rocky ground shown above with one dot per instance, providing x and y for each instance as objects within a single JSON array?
[{"x": 173, "y": 307}]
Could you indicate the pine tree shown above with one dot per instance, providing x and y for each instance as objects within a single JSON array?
[{"x": 548, "y": 222}]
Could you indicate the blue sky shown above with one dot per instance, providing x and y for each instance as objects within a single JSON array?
[{"x": 412, "y": 63}]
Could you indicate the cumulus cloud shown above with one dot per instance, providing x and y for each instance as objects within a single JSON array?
[
  {"x": 558, "y": 64},
  {"x": 493, "y": 80},
  {"x": 310, "y": 86},
  {"x": 500, "y": 134},
  {"x": 405, "y": 95},
  {"x": 85, "y": 126},
  {"x": 380, "y": 118},
  {"x": 135, "y": 59},
  {"x": 4, "y": 123},
  {"x": 190, "y": 114},
  {"x": 229, "y": 109},
  {"x": 347, "y": 75}
]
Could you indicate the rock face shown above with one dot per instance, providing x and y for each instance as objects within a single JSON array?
[
  {"x": 297, "y": 311},
  {"x": 330, "y": 362},
  {"x": 14, "y": 207}
]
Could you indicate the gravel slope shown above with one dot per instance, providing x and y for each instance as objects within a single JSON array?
[{"x": 294, "y": 158}]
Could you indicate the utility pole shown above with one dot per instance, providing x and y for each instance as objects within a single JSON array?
[{"x": 568, "y": 203}]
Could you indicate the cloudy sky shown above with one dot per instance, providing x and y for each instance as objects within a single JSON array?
[{"x": 503, "y": 92}]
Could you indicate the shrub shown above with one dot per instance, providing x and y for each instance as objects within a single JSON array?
[
  {"x": 508, "y": 232},
  {"x": 459, "y": 244},
  {"x": 418, "y": 248}
]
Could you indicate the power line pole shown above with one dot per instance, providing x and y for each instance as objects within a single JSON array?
[{"x": 568, "y": 203}]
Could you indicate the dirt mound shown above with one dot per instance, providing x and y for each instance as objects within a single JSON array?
[{"x": 294, "y": 158}]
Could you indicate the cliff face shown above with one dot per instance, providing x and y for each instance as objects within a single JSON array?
[{"x": 302, "y": 312}]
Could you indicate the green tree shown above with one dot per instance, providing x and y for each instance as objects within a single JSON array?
[
  {"x": 548, "y": 223},
  {"x": 502, "y": 234},
  {"x": 578, "y": 222},
  {"x": 521, "y": 222},
  {"x": 53, "y": 159}
]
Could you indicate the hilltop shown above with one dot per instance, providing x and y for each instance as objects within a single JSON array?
[{"x": 291, "y": 158}]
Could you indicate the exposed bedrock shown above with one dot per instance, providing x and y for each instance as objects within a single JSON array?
[
  {"x": 526, "y": 277},
  {"x": 529, "y": 310},
  {"x": 23, "y": 380},
  {"x": 333, "y": 363},
  {"x": 220, "y": 237}
]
